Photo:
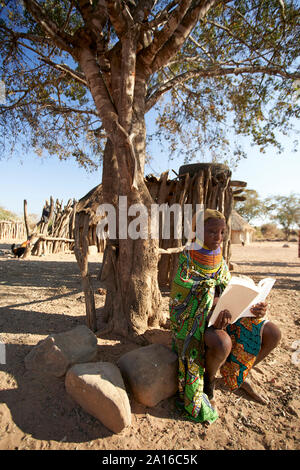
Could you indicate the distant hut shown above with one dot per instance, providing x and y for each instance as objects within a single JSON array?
[
  {"x": 87, "y": 207},
  {"x": 241, "y": 231}
]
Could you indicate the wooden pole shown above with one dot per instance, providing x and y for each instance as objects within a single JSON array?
[
  {"x": 81, "y": 253},
  {"x": 26, "y": 219}
]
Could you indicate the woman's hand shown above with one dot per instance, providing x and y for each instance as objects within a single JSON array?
[
  {"x": 223, "y": 320},
  {"x": 259, "y": 310}
]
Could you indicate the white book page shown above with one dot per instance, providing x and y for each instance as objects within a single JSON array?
[
  {"x": 239, "y": 296},
  {"x": 265, "y": 285}
]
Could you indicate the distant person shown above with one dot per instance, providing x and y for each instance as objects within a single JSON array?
[
  {"x": 45, "y": 215},
  {"x": 201, "y": 278}
]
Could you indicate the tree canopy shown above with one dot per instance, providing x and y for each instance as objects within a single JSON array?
[
  {"x": 285, "y": 210},
  {"x": 7, "y": 215},
  {"x": 216, "y": 70},
  {"x": 252, "y": 207}
]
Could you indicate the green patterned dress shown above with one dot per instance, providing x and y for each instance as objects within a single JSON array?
[{"x": 191, "y": 299}]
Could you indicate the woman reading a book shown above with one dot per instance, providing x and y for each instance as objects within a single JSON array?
[{"x": 201, "y": 278}]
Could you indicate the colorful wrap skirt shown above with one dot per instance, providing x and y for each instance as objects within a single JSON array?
[
  {"x": 191, "y": 299},
  {"x": 246, "y": 335}
]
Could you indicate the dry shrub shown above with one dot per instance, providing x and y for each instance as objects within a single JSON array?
[{"x": 271, "y": 231}]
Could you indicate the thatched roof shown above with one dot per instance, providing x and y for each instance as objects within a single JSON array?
[
  {"x": 239, "y": 224},
  {"x": 90, "y": 202}
]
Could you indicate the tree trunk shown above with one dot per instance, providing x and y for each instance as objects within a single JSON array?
[
  {"x": 133, "y": 297},
  {"x": 129, "y": 270}
]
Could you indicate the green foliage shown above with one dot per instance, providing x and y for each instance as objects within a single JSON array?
[
  {"x": 207, "y": 110},
  {"x": 51, "y": 110},
  {"x": 252, "y": 208},
  {"x": 271, "y": 231},
  {"x": 7, "y": 215},
  {"x": 285, "y": 210},
  {"x": 232, "y": 78}
]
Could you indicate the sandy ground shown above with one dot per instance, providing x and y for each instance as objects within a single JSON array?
[{"x": 43, "y": 295}]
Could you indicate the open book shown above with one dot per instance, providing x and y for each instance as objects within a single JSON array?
[{"x": 240, "y": 295}]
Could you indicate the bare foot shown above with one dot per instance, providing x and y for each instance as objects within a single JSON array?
[{"x": 249, "y": 389}]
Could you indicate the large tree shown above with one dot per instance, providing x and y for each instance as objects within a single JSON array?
[
  {"x": 80, "y": 76},
  {"x": 252, "y": 207},
  {"x": 285, "y": 210}
]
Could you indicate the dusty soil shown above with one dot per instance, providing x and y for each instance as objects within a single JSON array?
[{"x": 40, "y": 296}]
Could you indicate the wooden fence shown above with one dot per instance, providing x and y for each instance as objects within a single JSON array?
[{"x": 12, "y": 230}]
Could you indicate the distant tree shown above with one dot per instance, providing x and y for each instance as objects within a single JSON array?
[
  {"x": 33, "y": 220},
  {"x": 7, "y": 215},
  {"x": 270, "y": 231},
  {"x": 252, "y": 208},
  {"x": 285, "y": 210}
]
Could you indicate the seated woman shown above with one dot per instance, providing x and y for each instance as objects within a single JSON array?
[{"x": 201, "y": 277}]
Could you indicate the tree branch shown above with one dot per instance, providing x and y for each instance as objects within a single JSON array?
[
  {"x": 65, "y": 68},
  {"x": 61, "y": 39},
  {"x": 69, "y": 109},
  {"x": 217, "y": 71},
  {"x": 98, "y": 88},
  {"x": 252, "y": 49},
  {"x": 61, "y": 67},
  {"x": 162, "y": 36},
  {"x": 162, "y": 16},
  {"x": 29, "y": 36},
  {"x": 95, "y": 18},
  {"x": 129, "y": 43},
  {"x": 116, "y": 16},
  {"x": 175, "y": 42}
]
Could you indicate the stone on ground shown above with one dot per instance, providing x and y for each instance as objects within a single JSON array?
[
  {"x": 55, "y": 354},
  {"x": 151, "y": 373},
  {"x": 99, "y": 389}
]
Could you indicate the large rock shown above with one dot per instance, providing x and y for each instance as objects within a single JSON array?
[
  {"x": 151, "y": 373},
  {"x": 55, "y": 354},
  {"x": 99, "y": 389}
]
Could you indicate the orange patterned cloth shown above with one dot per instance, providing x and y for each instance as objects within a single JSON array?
[{"x": 245, "y": 335}]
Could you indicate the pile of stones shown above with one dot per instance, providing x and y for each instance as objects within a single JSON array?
[{"x": 102, "y": 388}]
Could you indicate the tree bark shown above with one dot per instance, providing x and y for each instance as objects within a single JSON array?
[{"x": 129, "y": 270}]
